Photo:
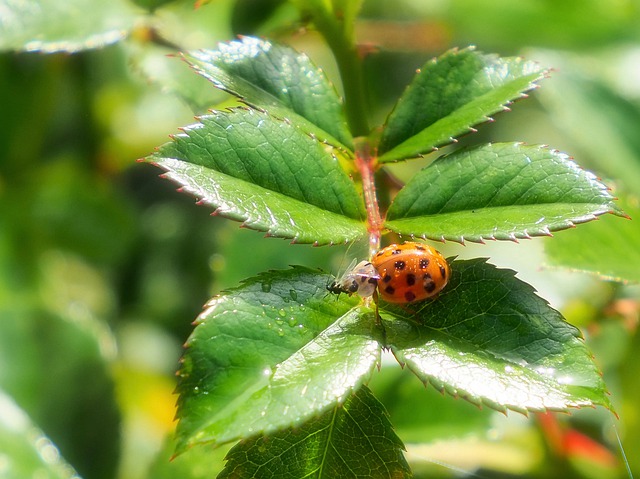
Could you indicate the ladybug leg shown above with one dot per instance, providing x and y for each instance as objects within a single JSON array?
[
  {"x": 379, "y": 321},
  {"x": 375, "y": 300}
]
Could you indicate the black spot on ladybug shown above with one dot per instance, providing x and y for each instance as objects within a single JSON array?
[
  {"x": 443, "y": 271},
  {"x": 424, "y": 262},
  {"x": 420, "y": 247},
  {"x": 429, "y": 286},
  {"x": 396, "y": 251},
  {"x": 409, "y": 296},
  {"x": 389, "y": 290},
  {"x": 386, "y": 278},
  {"x": 399, "y": 265},
  {"x": 411, "y": 279}
]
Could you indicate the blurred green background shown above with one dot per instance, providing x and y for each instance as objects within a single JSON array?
[{"x": 103, "y": 266}]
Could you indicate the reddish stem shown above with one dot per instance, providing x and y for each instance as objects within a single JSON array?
[{"x": 366, "y": 163}]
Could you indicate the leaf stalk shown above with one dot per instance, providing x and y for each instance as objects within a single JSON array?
[{"x": 366, "y": 163}]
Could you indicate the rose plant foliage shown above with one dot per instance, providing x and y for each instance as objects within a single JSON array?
[{"x": 282, "y": 366}]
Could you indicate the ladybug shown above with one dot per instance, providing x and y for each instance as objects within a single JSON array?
[
  {"x": 361, "y": 279},
  {"x": 410, "y": 272}
]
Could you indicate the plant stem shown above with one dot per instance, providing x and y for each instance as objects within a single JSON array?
[
  {"x": 350, "y": 67},
  {"x": 365, "y": 163},
  {"x": 339, "y": 37}
]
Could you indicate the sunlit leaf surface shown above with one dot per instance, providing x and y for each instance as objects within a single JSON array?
[
  {"x": 352, "y": 440},
  {"x": 279, "y": 350},
  {"x": 488, "y": 338},
  {"x": 265, "y": 172},
  {"x": 271, "y": 354},
  {"x": 501, "y": 191},
  {"x": 608, "y": 249},
  {"x": 68, "y": 26},
  {"x": 277, "y": 78}
]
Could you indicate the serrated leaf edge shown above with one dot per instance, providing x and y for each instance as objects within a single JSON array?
[
  {"x": 219, "y": 211},
  {"x": 503, "y": 108},
  {"x": 245, "y": 223},
  {"x": 478, "y": 401},
  {"x": 514, "y": 237},
  {"x": 296, "y": 120},
  {"x": 195, "y": 438},
  {"x": 527, "y": 234}
]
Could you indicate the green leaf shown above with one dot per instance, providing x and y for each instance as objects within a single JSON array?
[
  {"x": 272, "y": 354},
  {"x": 352, "y": 440},
  {"x": 423, "y": 416},
  {"x": 155, "y": 64},
  {"x": 451, "y": 94},
  {"x": 54, "y": 370},
  {"x": 267, "y": 173},
  {"x": 607, "y": 250},
  {"x": 573, "y": 26},
  {"x": 26, "y": 451},
  {"x": 196, "y": 463},
  {"x": 597, "y": 119},
  {"x": 64, "y": 26},
  {"x": 629, "y": 373},
  {"x": 488, "y": 338},
  {"x": 502, "y": 191},
  {"x": 279, "y": 79}
]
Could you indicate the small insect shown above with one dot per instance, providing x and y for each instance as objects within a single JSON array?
[
  {"x": 361, "y": 279},
  {"x": 410, "y": 272}
]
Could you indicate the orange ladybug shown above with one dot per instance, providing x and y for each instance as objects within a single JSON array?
[{"x": 410, "y": 272}]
